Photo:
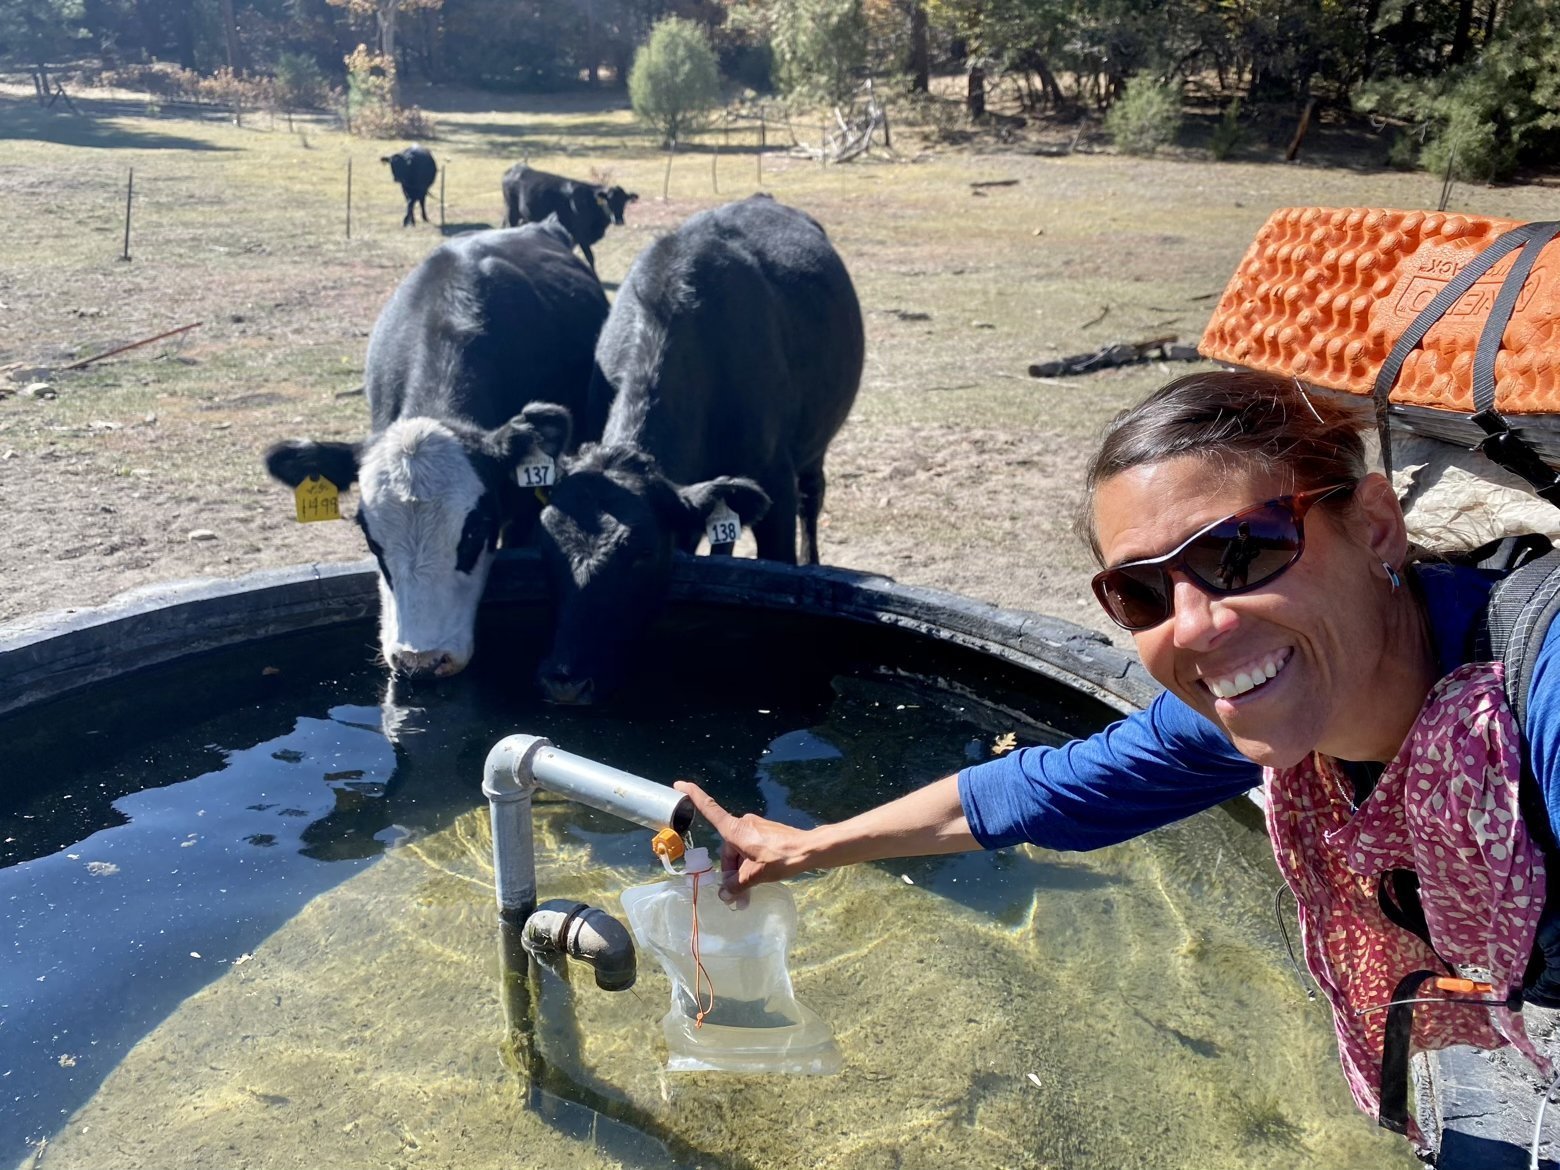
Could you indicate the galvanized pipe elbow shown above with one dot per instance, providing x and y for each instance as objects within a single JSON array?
[{"x": 587, "y": 933}]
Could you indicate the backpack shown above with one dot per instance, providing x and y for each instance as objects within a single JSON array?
[
  {"x": 1513, "y": 624},
  {"x": 1510, "y": 629}
]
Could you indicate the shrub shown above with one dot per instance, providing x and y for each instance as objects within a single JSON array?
[
  {"x": 1228, "y": 133},
  {"x": 158, "y": 78},
  {"x": 674, "y": 82},
  {"x": 1145, "y": 117},
  {"x": 1500, "y": 112},
  {"x": 820, "y": 49},
  {"x": 300, "y": 82},
  {"x": 226, "y": 88},
  {"x": 371, "y": 110},
  {"x": 1468, "y": 141}
]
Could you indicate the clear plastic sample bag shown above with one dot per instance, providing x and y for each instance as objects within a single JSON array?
[{"x": 737, "y": 979}]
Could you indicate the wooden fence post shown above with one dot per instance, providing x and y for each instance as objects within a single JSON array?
[
  {"x": 349, "y": 196},
  {"x": 129, "y": 191}
]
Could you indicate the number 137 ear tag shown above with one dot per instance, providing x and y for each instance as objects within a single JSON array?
[
  {"x": 723, "y": 525},
  {"x": 537, "y": 472},
  {"x": 316, "y": 498}
]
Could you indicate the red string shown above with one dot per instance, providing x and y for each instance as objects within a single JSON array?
[{"x": 698, "y": 965}]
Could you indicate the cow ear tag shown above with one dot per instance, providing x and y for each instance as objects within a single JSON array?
[
  {"x": 723, "y": 525},
  {"x": 539, "y": 472},
  {"x": 317, "y": 499}
]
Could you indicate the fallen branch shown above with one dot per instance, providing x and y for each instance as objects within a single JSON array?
[
  {"x": 1104, "y": 312},
  {"x": 87, "y": 361},
  {"x": 1161, "y": 349}
]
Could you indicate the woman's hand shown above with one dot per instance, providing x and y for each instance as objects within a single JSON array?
[
  {"x": 753, "y": 849},
  {"x": 929, "y": 820}
]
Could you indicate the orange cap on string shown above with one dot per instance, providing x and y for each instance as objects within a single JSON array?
[{"x": 667, "y": 845}]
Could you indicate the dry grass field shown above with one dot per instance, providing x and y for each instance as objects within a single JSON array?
[{"x": 956, "y": 469}]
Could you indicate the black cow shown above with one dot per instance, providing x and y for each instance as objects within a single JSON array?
[
  {"x": 473, "y": 369},
  {"x": 586, "y": 209},
  {"x": 415, "y": 170},
  {"x": 731, "y": 357}
]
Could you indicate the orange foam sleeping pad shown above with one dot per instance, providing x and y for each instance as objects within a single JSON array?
[{"x": 1323, "y": 293}]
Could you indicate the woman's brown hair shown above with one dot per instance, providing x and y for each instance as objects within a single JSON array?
[{"x": 1230, "y": 417}]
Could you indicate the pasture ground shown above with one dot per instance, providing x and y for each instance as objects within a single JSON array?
[{"x": 956, "y": 469}]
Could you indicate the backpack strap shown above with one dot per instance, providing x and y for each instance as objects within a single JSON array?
[
  {"x": 1501, "y": 444},
  {"x": 1512, "y": 627}
]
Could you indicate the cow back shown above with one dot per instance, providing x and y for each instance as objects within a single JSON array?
[
  {"x": 488, "y": 323},
  {"x": 733, "y": 341}
]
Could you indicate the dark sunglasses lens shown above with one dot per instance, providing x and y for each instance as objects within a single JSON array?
[
  {"x": 1136, "y": 596},
  {"x": 1245, "y": 550}
]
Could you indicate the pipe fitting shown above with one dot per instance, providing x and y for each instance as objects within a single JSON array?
[
  {"x": 587, "y": 933},
  {"x": 508, "y": 774}
]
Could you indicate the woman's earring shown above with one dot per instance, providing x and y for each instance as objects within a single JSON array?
[{"x": 1392, "y": 576}]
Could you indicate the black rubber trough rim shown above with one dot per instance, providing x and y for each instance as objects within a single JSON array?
[{"x": 42, "y": 659}]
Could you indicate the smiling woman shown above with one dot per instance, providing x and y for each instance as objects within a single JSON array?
[{"x": 1267, "y": 579}]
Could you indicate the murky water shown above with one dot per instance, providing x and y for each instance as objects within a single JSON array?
[{"x": 249, "y": 921}]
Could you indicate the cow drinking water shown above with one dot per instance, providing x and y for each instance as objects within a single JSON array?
[
  {"x": 731, "y": 357},
  {"x": 415, "y": 170},
  {"x": 473, "y": 370}
]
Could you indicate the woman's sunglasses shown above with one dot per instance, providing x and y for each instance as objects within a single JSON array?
[{"x": 1232, "y": 555}]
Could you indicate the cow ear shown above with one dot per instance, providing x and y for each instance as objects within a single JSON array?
[
  {"x": 742, "y": 496},
  {"x": 294, "y": 460},
  {"x": 541, "y": 426}
]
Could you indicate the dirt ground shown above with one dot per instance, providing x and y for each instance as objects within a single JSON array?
[{"x": 956, "y": 469}]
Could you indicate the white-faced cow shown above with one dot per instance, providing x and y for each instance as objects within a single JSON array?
[
  {"x": 731, "y": 357},
  {"x": 415, "y": 170},
  {"x": 473, "y": 370},
  {"x": 586, "y": 209}
]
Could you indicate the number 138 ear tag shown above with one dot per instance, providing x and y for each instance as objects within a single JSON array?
[
  {"x": 537, "y": 472},
  {"x": 723, "y": 525},
  {"x": 316, "y": 498}
]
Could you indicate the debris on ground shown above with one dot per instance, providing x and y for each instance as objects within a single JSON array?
[{"x": 1154, "y": 349}]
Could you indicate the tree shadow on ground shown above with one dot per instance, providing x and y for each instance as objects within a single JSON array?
[
  {"x": 451, "y": 99},
  {"x": 25, "y": 120},
  {"x": 540, "y": 130},
  {"x": 1334, "y": 138}
]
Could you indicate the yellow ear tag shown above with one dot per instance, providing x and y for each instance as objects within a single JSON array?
[{"x": 317, "y": 499}]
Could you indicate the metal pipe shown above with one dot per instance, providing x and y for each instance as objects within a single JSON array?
[
  {"x": 563, "y": 927},
  {"x": 519, "y": 764},
  {"x": 655, "y": 806},
  {"x": 509, "y": 786}
]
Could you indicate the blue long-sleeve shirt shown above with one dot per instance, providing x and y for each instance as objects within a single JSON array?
[{"x": 1167, "y": 762}]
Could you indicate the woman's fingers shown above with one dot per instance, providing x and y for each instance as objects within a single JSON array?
[
  {"x": 731, "y": 854},
  {"x": 707, "y": 807}
]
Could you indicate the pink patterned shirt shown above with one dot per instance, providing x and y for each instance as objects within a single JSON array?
[{"x": 1446, "y": 808}]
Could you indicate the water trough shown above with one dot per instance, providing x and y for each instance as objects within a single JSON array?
[{"x": 44, "y": 663}]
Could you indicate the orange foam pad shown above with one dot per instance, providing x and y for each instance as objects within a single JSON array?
[{"x": 1323, "y": 293}]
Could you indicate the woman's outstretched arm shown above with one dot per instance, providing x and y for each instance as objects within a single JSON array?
[{"x": 926, "y": 821}]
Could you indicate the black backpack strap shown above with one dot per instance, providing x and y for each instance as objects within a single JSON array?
[
  {"x": 1501, "y": 441},
  {"x": 1501, "y": 444},
  {"x": 1512, "y": 628}
]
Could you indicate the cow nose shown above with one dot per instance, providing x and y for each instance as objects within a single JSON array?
[
  {"x": 559, "y": 687},
  {"x": 421, "y": 663}
]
